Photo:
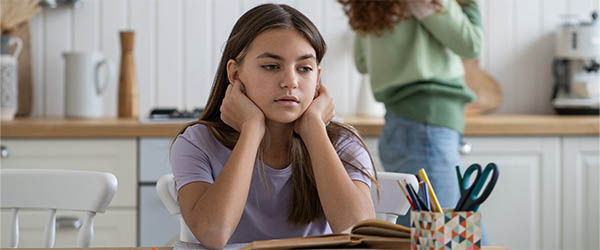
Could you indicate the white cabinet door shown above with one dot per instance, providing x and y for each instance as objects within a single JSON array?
[
  {"x": 115, "y": 228},
  {"x": 523, "y": 210},
  {"x": 117, "y": 156},
  {"x": 581, "y": 192}
]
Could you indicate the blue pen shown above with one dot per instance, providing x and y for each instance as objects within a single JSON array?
[{"x": 426, "y": 195}]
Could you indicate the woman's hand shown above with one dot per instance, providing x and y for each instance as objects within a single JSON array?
[
  {"x": 319, "y": 112},
  {"x": 237, "y": 110}
]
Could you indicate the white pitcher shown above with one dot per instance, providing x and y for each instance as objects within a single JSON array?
[
  {"x": 83, "y": 83},
  {"x": 9, "y": 79}
]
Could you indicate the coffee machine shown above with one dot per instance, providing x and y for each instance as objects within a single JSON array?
[{"x": 576, "y": 67}]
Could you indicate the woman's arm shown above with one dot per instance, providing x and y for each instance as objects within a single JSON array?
[
  {"x": 213, "y": 211},
  {"x": 344, "y": 201}
]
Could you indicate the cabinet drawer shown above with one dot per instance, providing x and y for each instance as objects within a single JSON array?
[
  {"x": 154, "y": 158},
  {"x": 117, "y": 156},
  {"x": 115, "y": 228}
]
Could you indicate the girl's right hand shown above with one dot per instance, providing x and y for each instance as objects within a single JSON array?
[{"x": 237, "y": 110}]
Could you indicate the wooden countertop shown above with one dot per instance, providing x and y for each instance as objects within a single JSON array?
[{"x": 492, "y": 125}]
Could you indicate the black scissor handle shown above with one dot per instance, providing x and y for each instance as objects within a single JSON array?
[
  {"x": 465, "y": 192},
  {"x": 475, "y": 200}
]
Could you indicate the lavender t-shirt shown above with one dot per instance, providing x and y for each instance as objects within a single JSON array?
[{"x": 197, "y": 155}]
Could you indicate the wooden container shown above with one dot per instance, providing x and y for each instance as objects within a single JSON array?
[{"x": 128, "y": 91}]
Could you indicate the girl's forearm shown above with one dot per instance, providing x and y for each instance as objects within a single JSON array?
[
  {"x": 219, "y": 209},
  {"x": 343, "y": 202}
]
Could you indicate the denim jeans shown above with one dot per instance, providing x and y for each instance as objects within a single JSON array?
[{"x": 405, "y": 146}]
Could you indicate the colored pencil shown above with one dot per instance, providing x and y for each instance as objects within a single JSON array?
[
  {"x": 436, "y": 204},
  {"x": 406, "y": 194}
]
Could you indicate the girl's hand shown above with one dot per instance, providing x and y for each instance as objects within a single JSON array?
[
  {"x": 319, "y": 112},
  {"x": 237, "y": 110},
  {"x": 424, "y": 8}
]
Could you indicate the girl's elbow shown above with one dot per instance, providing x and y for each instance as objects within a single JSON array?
[
  {"x": 213, "y": 240},
  {"x": 473, "y": 51},
  {"x": 212, "y": 237}
]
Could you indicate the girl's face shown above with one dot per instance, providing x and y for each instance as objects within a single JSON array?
[{"x": 279, "y": 73}]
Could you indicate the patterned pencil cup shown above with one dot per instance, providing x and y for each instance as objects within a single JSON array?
[{"x": 448, "y": 230}]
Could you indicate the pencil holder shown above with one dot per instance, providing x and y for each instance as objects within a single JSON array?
[{"x": 447, "y": 230}]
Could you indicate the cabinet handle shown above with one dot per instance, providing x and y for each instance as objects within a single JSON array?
[
  {"x": 65, "y": 222},
  {"x": 465, "y": 148},
  {"x": 4, "y": 152}
]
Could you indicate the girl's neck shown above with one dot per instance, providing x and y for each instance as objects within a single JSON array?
[{"x": 279, "y": 136}]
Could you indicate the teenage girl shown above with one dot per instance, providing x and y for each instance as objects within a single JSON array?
[{"x": 265, "y": 161}]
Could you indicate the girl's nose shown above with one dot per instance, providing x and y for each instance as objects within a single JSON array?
[{"x": 289, "y": 81}]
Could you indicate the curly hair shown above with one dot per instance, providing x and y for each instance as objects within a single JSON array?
[{"x": 376, "y": 16}]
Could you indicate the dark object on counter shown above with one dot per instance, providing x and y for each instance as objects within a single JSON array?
[
  {"x": 577, "y": 111},
  {"x": 172, "y": 113}
]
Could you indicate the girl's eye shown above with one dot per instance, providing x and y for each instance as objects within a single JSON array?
[
  {"x": 270, "y": 66},
  {"x": 305, "y": 69}
]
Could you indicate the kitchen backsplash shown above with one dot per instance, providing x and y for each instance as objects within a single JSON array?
[{"x": 178, "y": 44}]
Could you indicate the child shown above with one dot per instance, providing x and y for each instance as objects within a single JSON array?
[
  {"x": 412, "y": 50},
  {"x": 265, "y": 161}
]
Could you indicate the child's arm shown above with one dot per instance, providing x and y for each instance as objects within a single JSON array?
[
  {"x": 359, "y": 55},
  {"x": 458, "y": 28},
  {"x": 212, "y": 211},
  {"x": 344, "y": 201}
]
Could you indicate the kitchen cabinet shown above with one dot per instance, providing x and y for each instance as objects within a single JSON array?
[
  {"x": 523, "y": 210},
  {"x": 116, "y": 227},
  {"x": 581, "y": 192},
  {"x": 548, "y": 193}
]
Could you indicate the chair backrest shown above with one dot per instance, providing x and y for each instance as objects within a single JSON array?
[
  {"x": 391, "y": 204},
  {"x": 87, "y": 191},
  {"x": 167, "y": 192}
]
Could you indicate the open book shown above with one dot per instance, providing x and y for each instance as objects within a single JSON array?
[{"x": 370, "y": 233}]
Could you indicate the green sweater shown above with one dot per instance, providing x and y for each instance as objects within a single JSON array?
[{"x": 416, "y": 68}]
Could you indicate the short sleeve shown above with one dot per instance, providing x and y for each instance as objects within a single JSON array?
[
  {"x": 350, "y": 149},
  {"x": 190, "y": 163}
]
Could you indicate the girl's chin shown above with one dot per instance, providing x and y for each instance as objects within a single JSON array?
[{"x": 283, "y": 118}]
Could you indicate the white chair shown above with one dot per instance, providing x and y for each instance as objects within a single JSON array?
[
  {"x": 391, "y": 204},
  {"x": 86, "y": 191},
  {"x": 392, "y": 201},
  {"x": 165, "y": 187}
]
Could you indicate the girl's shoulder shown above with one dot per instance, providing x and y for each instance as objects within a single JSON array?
[
  {"x": 349, "y": 142},
  {"x": 199, "y": 136}
]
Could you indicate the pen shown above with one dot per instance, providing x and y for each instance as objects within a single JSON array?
[
  {"x": 417, "y": 200},
  {"x": 436, "y": 204},
  {"x": 426, "y": 196},
  {"x": 406, "y": 194}
]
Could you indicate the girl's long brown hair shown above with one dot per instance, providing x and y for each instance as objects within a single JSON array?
[
  {"x": 376, "y": 16},
  {"x": 305, "y": 204}
]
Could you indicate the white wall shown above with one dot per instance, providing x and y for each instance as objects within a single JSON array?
[{"x": 178, "y": 43}]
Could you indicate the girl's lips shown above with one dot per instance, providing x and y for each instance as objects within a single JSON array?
[{"x": 287, "y": 103}]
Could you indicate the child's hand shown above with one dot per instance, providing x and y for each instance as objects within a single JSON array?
[
  {"x": 424, "y": 8},
  {"x": 237, "y": 109},
  {"x": 320, "y": 112}
]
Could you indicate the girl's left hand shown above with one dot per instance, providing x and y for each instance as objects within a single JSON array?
[{"x": 319, "y": 112}]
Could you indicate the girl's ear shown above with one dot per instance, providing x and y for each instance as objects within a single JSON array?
[
  {"x": 318, "y": 86},
  {"x": 319, "y": 76},
  {"x": 232, "y": 71}
]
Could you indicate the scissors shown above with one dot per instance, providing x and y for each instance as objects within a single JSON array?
[{"x": 472, "y": 196}]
